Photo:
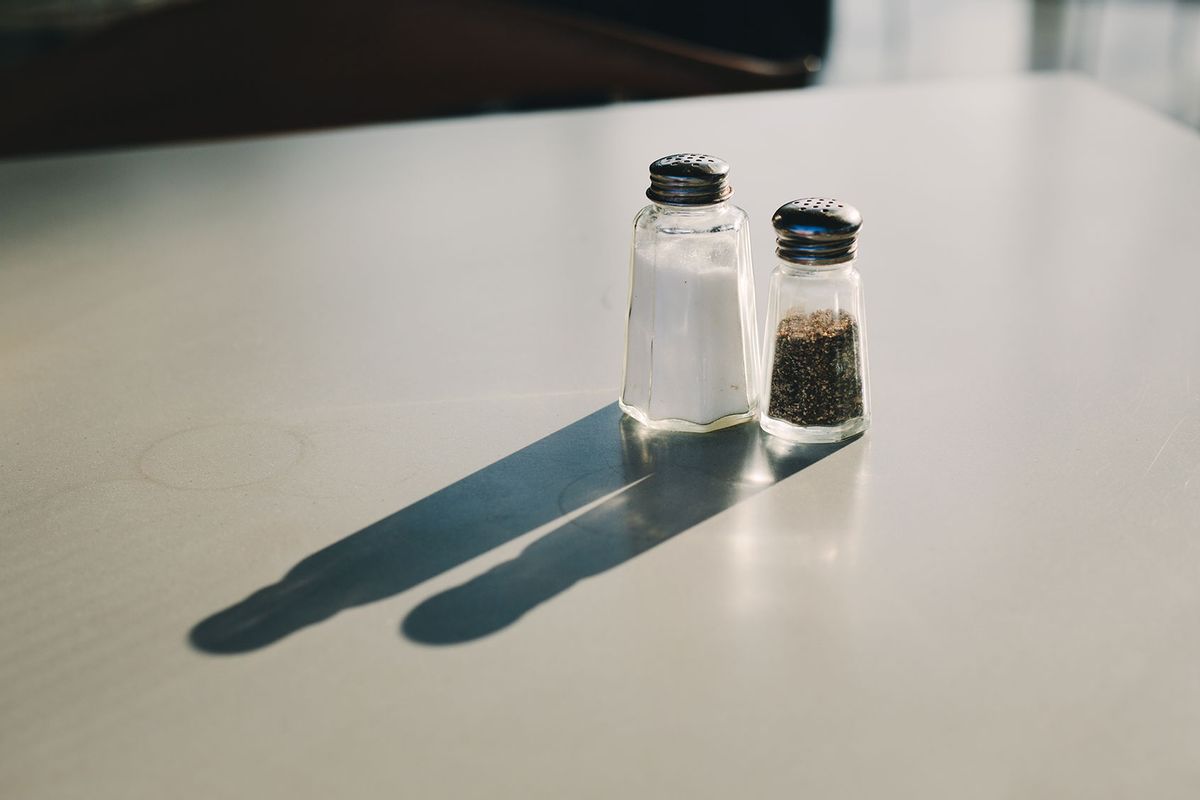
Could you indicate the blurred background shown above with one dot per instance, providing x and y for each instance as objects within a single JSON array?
[{"x": 83, "y": 74}]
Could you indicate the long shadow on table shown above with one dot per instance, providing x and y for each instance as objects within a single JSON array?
[{"x": 644, "y": 487}]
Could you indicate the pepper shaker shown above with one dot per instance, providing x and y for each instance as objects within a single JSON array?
[
  {"x": 691, "y": 347},
  {"x": 816, "y": 355}
]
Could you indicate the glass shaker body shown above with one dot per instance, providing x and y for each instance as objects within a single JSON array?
[
  {"x": 691, "y": 336},
  {"x": 816, "y": 386},
  {"x": 691, "y": 349}
]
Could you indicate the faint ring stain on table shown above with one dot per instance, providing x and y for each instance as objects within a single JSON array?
[{"x": 224, "y": 456}]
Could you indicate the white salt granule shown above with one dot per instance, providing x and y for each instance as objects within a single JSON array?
[{"x": 697, "y": 359}]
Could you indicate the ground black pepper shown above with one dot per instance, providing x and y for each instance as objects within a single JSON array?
[{"x": 815, "y": 377}]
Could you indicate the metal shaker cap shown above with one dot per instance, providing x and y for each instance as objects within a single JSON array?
[
  {"x": 689, "y": 179},
  {"x": 816, "y": 230}
]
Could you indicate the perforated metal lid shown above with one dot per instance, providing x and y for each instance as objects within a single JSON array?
[
  {"x": 689, "y": 179},
  {"x": 816, "y": 230}
]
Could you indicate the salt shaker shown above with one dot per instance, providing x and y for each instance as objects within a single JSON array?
[
  {"x": 691, "y": 347},
  {"x": 816, "y": 355}
]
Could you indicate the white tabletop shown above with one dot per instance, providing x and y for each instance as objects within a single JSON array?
[{"x": 221, "y": 364}]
